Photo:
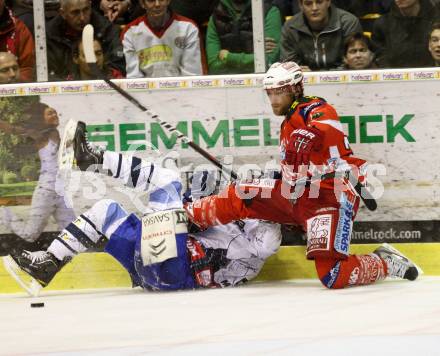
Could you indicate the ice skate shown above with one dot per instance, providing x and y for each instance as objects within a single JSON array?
[
  {"x": 398, "y": 264},
  {"x": 75, "y": 149},
  {"x": 85, "y": 155},
  {"x": 40, "y": 266}
]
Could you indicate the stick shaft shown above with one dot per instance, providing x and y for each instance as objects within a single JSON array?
[
  {"x": 365, "y": 195},
  {"x": 91, "y": 60},
  {"x": 170, "y": 128}
]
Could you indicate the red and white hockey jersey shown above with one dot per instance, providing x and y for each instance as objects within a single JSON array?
[
  {"x": 174, "y": 50},
  {"x": 335, "y": 153}
]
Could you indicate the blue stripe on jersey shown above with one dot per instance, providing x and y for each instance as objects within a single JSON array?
[
  {"x": 166, "y": 194},
  {"x": 122, "y": 244},
  {"x": 114, "y": 212},
  {"x": 330, "y": 278},
  {"x": 305, "y": 110}
]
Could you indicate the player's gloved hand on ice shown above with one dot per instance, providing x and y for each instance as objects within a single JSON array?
[{"x": 297, "y": 151}]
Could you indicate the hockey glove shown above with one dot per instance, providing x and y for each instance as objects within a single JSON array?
[{"x": 302, "y": 142}]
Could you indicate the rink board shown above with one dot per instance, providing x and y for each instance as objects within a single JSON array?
[{"x": 100, "y": 270}]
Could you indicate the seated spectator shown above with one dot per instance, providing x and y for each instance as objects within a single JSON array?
[
  {"x": 23, "y": 9},
  {"x": 229, "y": 37},
  {"x": 9, "y": 69},
  {"x": 400, "y": 38},
  {"x": 15, "y": 38},
  {"x": 161, "y": 43},
  {"x": 197, "y": 10},
  {"x": 434, "y": 44},
  {"x": 358, "y": 53},
  {"x": 64, "y": 30},
  {"x": 366, "y": 11},
  {"x": 81, "y": 69},
  {"x": 314, "y": 38},
  {"x": 287, "y": 7},
  {"x": 358, "y": 8},
  {"x": 361, "y": 7}
]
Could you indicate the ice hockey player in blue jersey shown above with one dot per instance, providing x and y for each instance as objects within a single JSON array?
[{"x": 157, "y": 250}]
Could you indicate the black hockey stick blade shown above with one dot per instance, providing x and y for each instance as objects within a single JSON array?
[
  {"x": 366, "y": 196},
  {"x": 360, "y": 189}
]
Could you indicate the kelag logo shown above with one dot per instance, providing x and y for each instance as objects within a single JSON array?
[{"x": 250, "y": 132}]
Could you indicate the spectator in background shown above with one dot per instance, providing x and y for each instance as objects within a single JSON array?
[
  {"x": 23, "y": 9},
  {"x": 356, "y": 7},
  {"x": 81, "y": 69},
  {"x": 9, "y": 69},
  {"x": 401, "y": 36},
  {"x": 197, "y": 10},
  {"x": 434, "y": 44},
  {"x": 64, "y": 31},
  {"x": 358, "y": 53},
  {"x": 287, "y": 7},
  {"x": 15, "y": 38},
  {"x": 229, "y": 38},
  {"x": 161, "y": 43},
  {"x": 314, "y": 38}
]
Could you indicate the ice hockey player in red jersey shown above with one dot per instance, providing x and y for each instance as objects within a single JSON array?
[{"x": 312, "y": 143}]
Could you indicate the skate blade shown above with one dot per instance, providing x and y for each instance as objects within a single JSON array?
[
  {"x": 66, "y": 160},
  {"x": 419, "y": 269},
  {"x": 28, "y": 283}
]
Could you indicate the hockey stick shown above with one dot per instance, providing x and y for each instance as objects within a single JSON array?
[
  {"x": 89, "y": 53},
  {"x": 87, "y": 39}
]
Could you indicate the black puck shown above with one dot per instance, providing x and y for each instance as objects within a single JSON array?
[{"x": 37, "y": 305}]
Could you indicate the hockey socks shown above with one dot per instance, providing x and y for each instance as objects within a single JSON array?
[
  {"x": 79, "y": 236},
  {"x": 355, "y": 270}
]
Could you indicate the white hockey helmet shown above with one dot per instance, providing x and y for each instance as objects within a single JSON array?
[{"x": 281, "y": 75}]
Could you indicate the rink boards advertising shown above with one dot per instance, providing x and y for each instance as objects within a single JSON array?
[{"x": 390, "y": 117}]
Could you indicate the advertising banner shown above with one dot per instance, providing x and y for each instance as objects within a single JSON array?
[{"x": 391, "y": 119}]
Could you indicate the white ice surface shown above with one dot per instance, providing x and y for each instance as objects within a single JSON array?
[{"x": 276, "y": 318}]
